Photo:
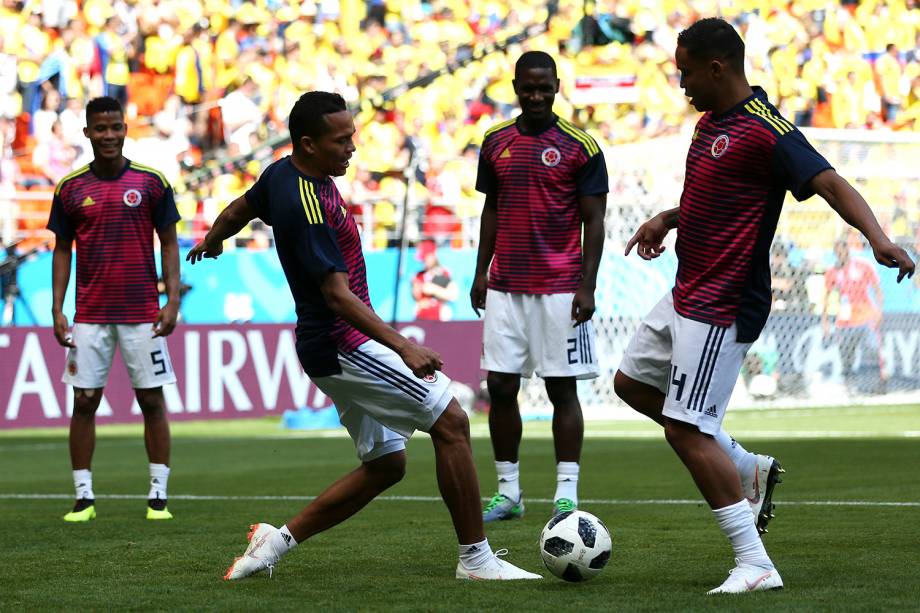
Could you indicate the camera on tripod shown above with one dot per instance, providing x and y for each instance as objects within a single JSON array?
[{"x": 9, "y": 286}]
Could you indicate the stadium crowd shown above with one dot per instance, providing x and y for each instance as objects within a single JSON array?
[{"x": 202, "y": 81}]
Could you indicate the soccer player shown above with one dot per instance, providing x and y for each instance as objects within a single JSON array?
[
  {"x": 544, "y": 182},
  {"x": 111, "y": 208},
  {"x": 684, "y": 359},
  {"x": 384, "y": 386}
]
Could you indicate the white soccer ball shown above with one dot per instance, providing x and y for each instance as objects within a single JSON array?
[{"x": 575, "y": 546}]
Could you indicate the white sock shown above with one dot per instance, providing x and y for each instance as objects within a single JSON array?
[
  {"x": 159, "y": 475},
  {"x": 508, "y": 479},
  {"x": 737, "y": 523},
  {"x": 567, "y": 481},
  {"x": 475, "y": 555},
  {"x": 284, "y": 541},
  {"x": 83, "y": 483},
  {"x": 744, "y": 460}
]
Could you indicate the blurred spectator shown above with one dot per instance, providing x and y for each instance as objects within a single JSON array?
[
  {"x": 73, "y": 120},
  {"x": 10, "y": 103},
  {"x": 890, "y": 74},
  {"x": 46, "y": 116},
  {"x": 790, "y": 293},
  {"x": 164, "y": 146},
  {"x": 853, "y": 298},
  {"x": 432, "y": 287},
  {"x": 113, "y": 51},
  {"x": 241, "y": 116},
  {"x": 54, "y": 156}
]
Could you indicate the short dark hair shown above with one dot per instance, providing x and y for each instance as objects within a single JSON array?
[
  {"x": 712, "y": 38},
  {"x": 534, "y": 59},
  {"x": 103, "y": 104},
  {"x": 306, "y": 117}
]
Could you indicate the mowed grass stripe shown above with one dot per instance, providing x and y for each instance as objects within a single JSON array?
[{"x": 583, "y": 502}]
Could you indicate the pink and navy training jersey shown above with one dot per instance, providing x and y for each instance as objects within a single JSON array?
[
  {"x": 739, "y": 166},
  {"x": 112, "y": 220},
  {"x": 314, "y": 235},
  {"x": 536, "y": 180}
]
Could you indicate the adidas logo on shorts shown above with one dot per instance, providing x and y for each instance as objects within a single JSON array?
[{"x": 711, "y": 411}]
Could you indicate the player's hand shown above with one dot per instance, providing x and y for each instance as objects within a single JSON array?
[
  {"x": 166, "y": 319},
  {"x": 478, "y": 293},
  {"x": 582, "y": 306},
  {"x": 891, "y": 256},
  {"x": 649, "y": 237},
  {"x": 421, "y": 360},
  {"x": 62, "y": 330},
  {"x": 204, "y": 249}
]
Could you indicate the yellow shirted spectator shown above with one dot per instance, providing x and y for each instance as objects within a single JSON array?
[
  {"x": 189, "y": 84},
  {"x": 226, "y": 52},
  {"x": 890, "y": 74},
  {"x": 848, "y": 107},
  {"x": 97, "y": 13}
]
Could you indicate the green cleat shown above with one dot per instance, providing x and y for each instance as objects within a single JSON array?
[
  {"x": 83, "y": 510},
  {"x": 501, "y": 507},
  {"x": 564, "y": 505}
]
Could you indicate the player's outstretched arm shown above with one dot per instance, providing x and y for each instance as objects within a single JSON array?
[
  {"x": 487, "y": 230},
  {"x": 852, "y": 207},
  {"x": 230, "y": 221},
  {"x": 421, "y": 360},
  {"x": 169, "y": 255},
  {"x": 650, "y": 235},
  {"x": 60, "y": 277}
]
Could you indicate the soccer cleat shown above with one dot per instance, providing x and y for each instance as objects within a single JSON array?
[
  {"x": 258, "y": 556},
  {"x": 564, "y": 505},
  {"x": 746, "y": 578},
  {"x": 495, "y": 569},
  {"x": 156, "y": 509},
  {"x": 501, "y": 507},
  {"x": 84, "y": 509},
  {"x": 759, "y": 492}
]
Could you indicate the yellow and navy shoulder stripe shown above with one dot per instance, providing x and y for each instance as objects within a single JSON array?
[
  {"x": 499, "y": 127},
  {"x": 583, "y": 138},
  {"x": 148, "y": 169},
  {"x": 311, "y": 205},
  {"x": 769, "y": 118},
  {"x": 72, "y": 175}
]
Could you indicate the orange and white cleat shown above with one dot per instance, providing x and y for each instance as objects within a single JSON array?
[{"x": 259, "y": 555}]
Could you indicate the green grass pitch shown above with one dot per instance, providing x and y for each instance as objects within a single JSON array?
[{"x": 846, "y": 535}]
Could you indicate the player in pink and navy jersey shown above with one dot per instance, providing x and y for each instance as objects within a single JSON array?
[
  {"x": 544, "y": 180},
  {"x": 682, "y": 363},
  {"x": 383, "y": 386},
  {"x": 111, "y": 209}
]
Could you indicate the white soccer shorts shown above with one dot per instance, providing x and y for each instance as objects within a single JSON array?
[
  {"x": 527, "y": 334},
  {"x": 146, "y": 357},
  {"x": 380, "y": 402},
  {"x": 694, "y": 364}
]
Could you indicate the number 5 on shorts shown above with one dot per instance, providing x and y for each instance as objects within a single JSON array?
[{"x": 159, "y": 364}]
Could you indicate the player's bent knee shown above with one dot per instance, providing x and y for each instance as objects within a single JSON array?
[
  {"x": 623, "y": 386},
  {"x": 678, "y": 434},
  {"x": 389, "y": 469},
  {"x": 453, "y": 426}
]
